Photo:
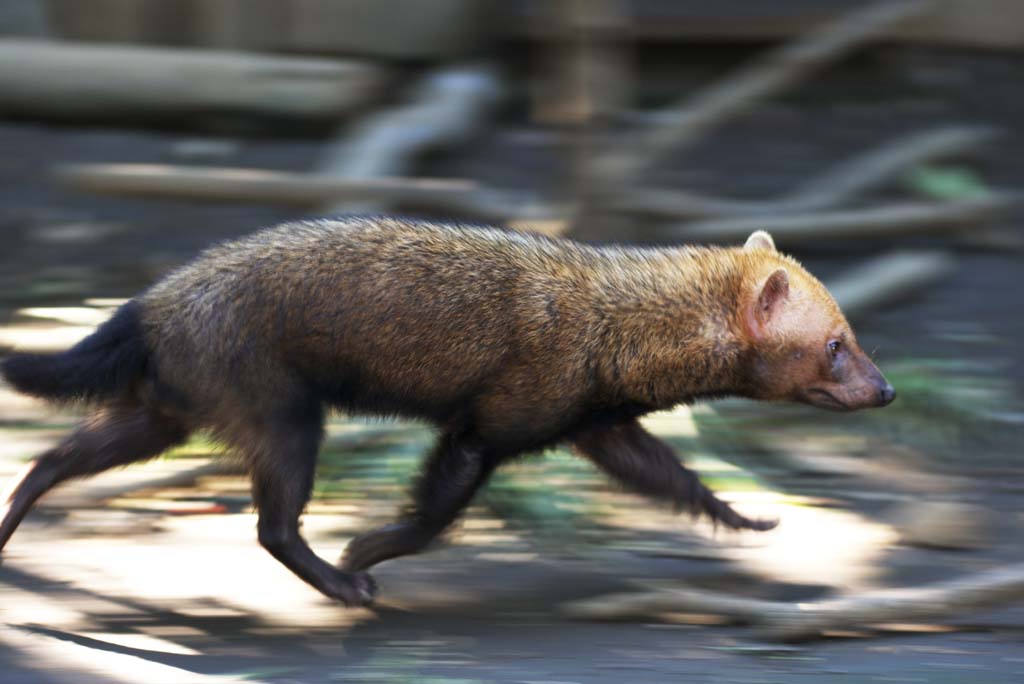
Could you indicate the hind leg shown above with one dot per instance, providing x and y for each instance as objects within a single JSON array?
[
  {"x": 283, "y": 460},
  {"x": 113, "y": 437},
  {"x": 454, "y": 472}
]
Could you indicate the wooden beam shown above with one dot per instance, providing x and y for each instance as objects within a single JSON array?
[{"x": 78, "y": 80}]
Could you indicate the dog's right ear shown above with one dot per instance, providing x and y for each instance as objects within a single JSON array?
[
  {"x": 760, "y": 239},
  {"x": 769, "y": 298}
]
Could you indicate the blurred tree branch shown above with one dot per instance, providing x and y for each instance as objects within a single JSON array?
[
  {"x": 877, "y": 221},
  {"x": 847, "y": 181},
  {"x": 784, "y": 621},
  {"x": 212, "y": 183}
]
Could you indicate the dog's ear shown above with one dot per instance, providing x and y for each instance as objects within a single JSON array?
[
  {"x": 760, "y": 239},
  {"x": 768, "y": 300}
]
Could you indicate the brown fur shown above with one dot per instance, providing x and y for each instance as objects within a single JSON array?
[
  {"x": 507, "y": 342},
  {"x": 514, "y": 335}
]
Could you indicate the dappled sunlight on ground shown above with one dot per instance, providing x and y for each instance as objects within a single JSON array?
[
  {"x": 42, "y": 336},
  {"x": 811, "y": 545},
  {"x": 54, "y": 328},
  {"x": 188, "y": 561}
]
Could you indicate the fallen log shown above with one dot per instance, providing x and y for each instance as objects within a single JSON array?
[
  {"x": 77, "y": 80},
  {"x": 639, "y": 605},
  {"x": 254, "y": 185},
  {"x": 873, "y": 222},
  {"x": 691, "y": 118},
  {"x": 847, "y": 181},
  {"x": 782, "y": 621},
  {"x": 304, "y": 190}
]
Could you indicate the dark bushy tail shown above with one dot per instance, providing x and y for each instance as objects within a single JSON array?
[{"x": 107, "y": 364}]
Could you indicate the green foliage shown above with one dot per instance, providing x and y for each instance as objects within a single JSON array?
[
  {"x": 546, "y": 494},
  {"x": 369, "y": 459},
  {"x": 948, "y": 409},
  {"x": 947, "y": 182},
  {"x": 944, "y": 410},
  {"x": 199, "y": 444}
]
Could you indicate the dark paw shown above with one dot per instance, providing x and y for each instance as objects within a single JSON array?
[
  {"x": 355, "y": 589},
  {"x": 740, "y": 522},
  {"x": 761, "y": 525},
  {"x": 391, "y": 541},
  {"x": 720, "y": 512}
]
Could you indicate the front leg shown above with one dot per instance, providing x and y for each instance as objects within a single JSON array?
[{"x": 644, "y": 464}]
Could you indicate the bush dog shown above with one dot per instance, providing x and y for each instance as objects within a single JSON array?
[{"x": 507, "y": 342}]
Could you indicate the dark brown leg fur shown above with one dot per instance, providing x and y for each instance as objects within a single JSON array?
[
  {"x": 115, "y": 436},
  {"x": 282, "y": 455},
  {"x": 452, "y": 475},
  {"x": 646, "y": 465}
]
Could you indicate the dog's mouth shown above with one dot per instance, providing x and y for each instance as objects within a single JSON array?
[{"x": 822, "y": 398}]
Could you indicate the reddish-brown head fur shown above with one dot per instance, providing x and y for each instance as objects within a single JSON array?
[{"x": 801, "y": 346}]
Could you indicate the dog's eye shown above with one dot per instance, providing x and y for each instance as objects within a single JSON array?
[{"x": 834, "y": 346}]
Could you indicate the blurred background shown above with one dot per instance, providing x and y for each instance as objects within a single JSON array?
[{"x": 878, "y": 142}]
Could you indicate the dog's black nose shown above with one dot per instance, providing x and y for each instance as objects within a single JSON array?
[{"x": 886, "y": 395}]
